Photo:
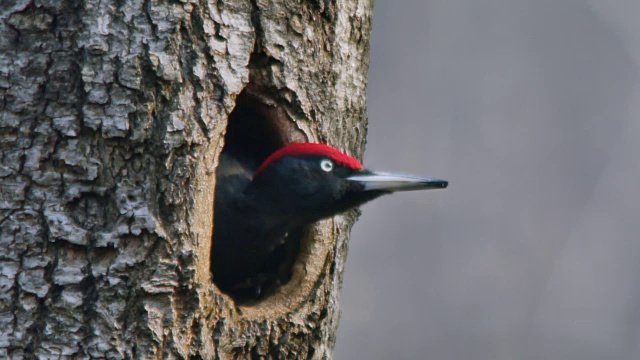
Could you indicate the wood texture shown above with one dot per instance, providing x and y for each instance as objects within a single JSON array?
[{"x": 111, "y": 120}]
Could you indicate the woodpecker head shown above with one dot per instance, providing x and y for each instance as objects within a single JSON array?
[{"x": 308, "y": 182}]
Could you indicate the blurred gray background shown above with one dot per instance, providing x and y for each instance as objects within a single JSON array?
[{"x": 531, "y": 109}]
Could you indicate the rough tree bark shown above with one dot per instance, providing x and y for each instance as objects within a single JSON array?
[{"x": 112, "y": 117}]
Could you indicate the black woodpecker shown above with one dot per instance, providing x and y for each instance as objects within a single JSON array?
[{"x": 256, "y": 210}]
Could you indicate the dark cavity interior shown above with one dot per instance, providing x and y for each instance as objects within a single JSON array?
[{"x": 256, "y": 128}]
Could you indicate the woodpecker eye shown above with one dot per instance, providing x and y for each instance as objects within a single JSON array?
[{"x": 326, "y": 165}]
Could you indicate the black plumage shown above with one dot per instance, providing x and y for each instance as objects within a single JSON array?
[{"x": 261, "y": 211}]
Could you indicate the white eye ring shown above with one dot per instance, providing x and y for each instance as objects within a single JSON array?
[{"x": 326, "y": 165}]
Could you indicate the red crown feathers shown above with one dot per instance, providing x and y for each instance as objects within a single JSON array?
[{"x": 311, "y": 149}]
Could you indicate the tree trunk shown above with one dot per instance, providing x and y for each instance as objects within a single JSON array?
[{"x": 112, "y": 120}]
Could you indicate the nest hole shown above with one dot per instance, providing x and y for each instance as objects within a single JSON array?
[{"x": 256, "y": 128}]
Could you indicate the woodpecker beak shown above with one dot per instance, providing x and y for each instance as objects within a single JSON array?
[{"x": 379, "y": 181}]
